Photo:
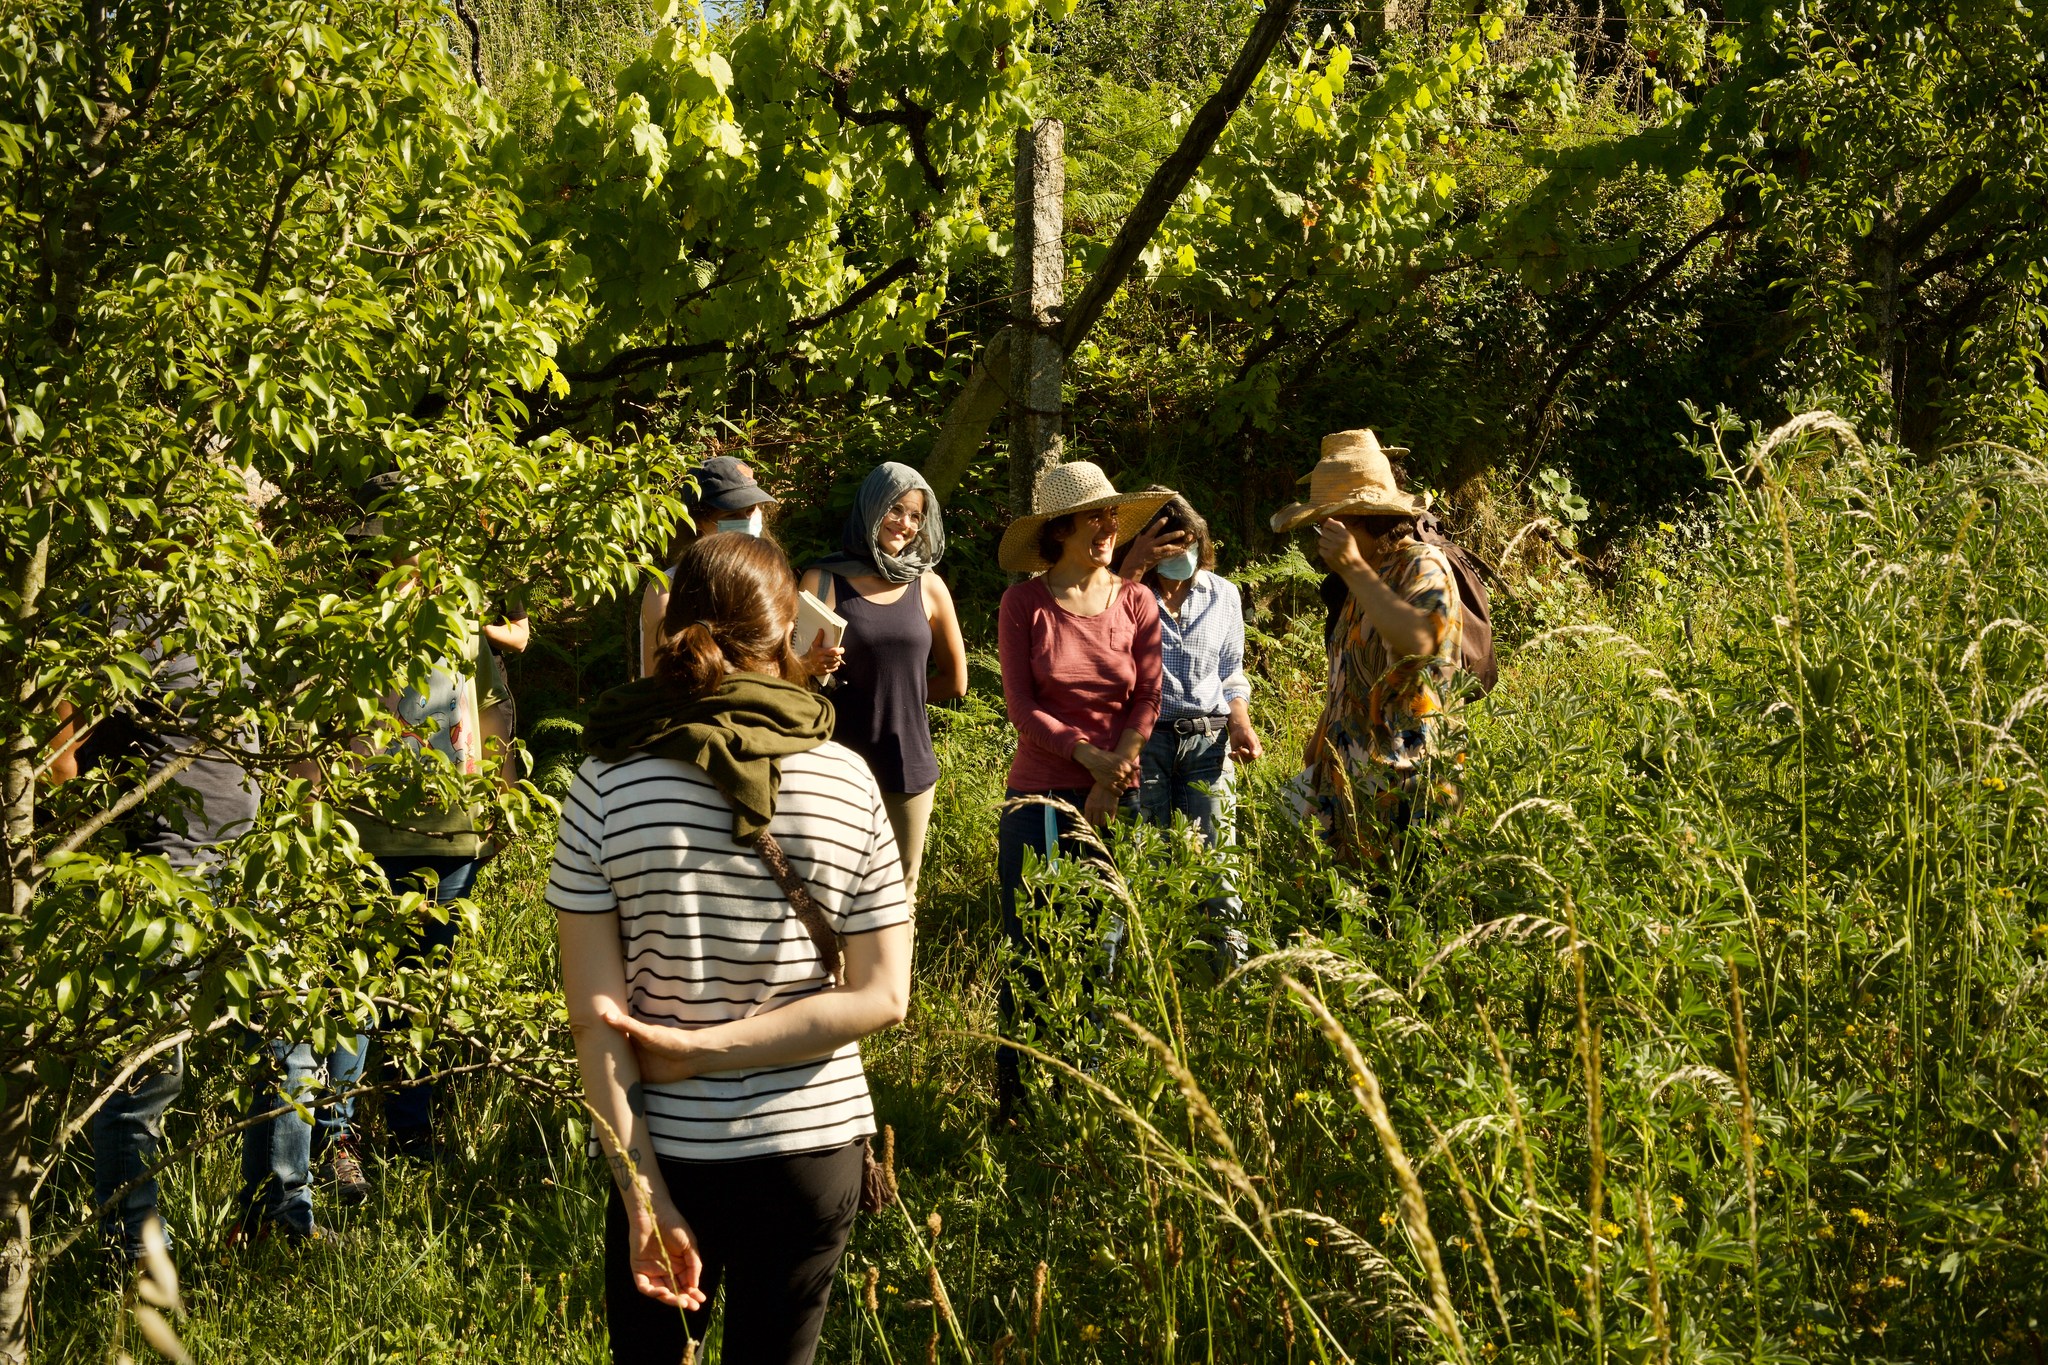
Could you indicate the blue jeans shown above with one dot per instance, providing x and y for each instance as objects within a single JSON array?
[
  {"x": 409, "y": 1109},
  {"x": 277, "y": 1155},
  {"x": 125, "y": 1135},
  {"x": 1190, "y": 775},
  {"x": 1047, "y": 832}
]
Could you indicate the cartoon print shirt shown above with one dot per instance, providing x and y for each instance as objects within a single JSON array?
[{"x": 1390, "y": 732}]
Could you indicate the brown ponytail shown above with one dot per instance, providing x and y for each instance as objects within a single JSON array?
[{"x": 732, "y": 605}]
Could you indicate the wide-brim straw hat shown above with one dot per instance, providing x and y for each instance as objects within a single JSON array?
[
  {"x": 1352, "y": 479},
  {"x": 1066, "y": 488}
]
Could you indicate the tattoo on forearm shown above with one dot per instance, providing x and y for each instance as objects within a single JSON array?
[{"x": 624, "y": 1168}]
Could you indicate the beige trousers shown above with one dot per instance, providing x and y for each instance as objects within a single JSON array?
[{"x": 910, "y": 816}]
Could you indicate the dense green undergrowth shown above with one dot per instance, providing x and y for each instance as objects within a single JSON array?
[{"x": 1711, "y": 1028}]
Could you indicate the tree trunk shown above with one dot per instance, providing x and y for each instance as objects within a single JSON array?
[
  {"x": 1888, "y": 336},
  {"x": 17, "y": 1098},
  {"x": 17, "y": 1178},
  {"x": 964, "y": 424},
  {"x": 1037, "y": 292}
]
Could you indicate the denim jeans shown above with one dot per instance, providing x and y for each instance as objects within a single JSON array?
[
  {"x": 125, "y": 1135},
  {"x": 1190, "y": 775},
  {"x": 1046, "y": 831},
  {"x": 409, "y": 1109},
  {"x": 277, "y": 1154}
]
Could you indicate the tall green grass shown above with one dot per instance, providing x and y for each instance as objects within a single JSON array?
[{"x": 1712, "y": 1028}]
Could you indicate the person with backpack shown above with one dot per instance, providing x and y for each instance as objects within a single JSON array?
[
  {"x": 1386, "y": 750},
  {"x": 730, "y": 906}
]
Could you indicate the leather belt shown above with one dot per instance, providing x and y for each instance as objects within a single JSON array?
[{"x": 1199, "y": 725}]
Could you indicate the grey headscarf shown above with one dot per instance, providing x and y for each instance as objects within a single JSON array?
[{"x": 858, "y": 551}]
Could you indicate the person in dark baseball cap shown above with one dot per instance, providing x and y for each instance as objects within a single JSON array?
[
  {"x": 726, "y": 499},
  {"x": 374, "y": 490}
]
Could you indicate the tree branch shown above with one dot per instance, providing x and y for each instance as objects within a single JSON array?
[
  {"x": 476, "y": 43},
  {"x": 968, "y": 416},
  {"x": 1174, "y": 173},
  {"x": 972, "y": 410},
  {"x": 634, "y": 360},
  {"x": 1584, "y": 342},
  {"x": 1948, "y": 206},
  {"x": 912, "y": 117}
]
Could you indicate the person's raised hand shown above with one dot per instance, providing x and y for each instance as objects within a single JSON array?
[
  {"x": 662, "y": 1254},
  {"x": 822, "y": 659},
  {"x": 665, "y": 1054},
  {"x": 1150, "y": 546},
  {"x": 1339, "y": 547}
]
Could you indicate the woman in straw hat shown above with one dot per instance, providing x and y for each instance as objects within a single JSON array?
[
  {"x": 1080, "y": 657},
  {"x": 1382, "y": 753}
]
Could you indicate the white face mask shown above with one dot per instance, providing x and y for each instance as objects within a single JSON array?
[
  {"x": 748, "y": 525},
  {"x": 1180, "y": 567}
]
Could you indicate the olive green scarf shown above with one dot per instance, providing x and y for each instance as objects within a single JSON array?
[{"x": 738, "y": 735}]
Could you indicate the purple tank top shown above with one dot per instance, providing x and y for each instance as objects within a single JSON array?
[{"x": 879, "y": 702}]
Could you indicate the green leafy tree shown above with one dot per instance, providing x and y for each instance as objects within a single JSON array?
[
  {"x": 779, "y": 198},
  {"x": 269, "y": 248}
]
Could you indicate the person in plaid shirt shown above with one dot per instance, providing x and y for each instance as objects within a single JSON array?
[{"x": 1204, "y": 716}]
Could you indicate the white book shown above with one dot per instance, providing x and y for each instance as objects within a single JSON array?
[{"x": 813, "y": 616}]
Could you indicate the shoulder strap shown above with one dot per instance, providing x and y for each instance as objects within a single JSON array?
[{"x": 808, "y": 912}]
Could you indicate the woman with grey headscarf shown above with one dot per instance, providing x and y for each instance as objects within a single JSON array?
[{"x": 902, "y": 646}]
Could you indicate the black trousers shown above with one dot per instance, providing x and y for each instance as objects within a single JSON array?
[
  {"x": 1043, "y": 830},
  {"x": 771, "y": 1229}
]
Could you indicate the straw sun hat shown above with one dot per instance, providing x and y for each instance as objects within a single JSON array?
[
  {"x": 1352, "y": 479},
  {"x": 1077, "y": 487}
]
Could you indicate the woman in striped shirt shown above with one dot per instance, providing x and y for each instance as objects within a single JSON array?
[{"x": 718, "y": 1054}]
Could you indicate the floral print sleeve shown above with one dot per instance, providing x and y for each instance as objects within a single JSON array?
[{"x": 1390, "y": 739}]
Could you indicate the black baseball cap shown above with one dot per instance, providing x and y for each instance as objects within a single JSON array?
[
  {"x": 726, "y": 484},
  {"x": 375, "y": 487}
]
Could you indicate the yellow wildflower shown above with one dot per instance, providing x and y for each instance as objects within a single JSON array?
[
  {"x": 1862, "y": 1218},
  {"x": 1090, "y": 1332},
  {"x": 1891, "y": 1282},
  {"x": 1311, "y": 1241},
  {"x": 1387, "y": 1218},
  {"x": 1610, "y": 1229},
  {"x": 1678, "y": 1203}
]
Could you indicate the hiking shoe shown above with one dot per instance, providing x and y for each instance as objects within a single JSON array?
[{"x": 345, "y": 1167}]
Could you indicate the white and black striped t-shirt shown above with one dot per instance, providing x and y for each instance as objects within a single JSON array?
[{"x": 709, "y": 937}]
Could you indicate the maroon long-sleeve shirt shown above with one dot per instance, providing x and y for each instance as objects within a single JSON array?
[{"x": 1069, "y": 678}]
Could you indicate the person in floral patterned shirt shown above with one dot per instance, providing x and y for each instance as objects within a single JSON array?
[{"x": 1386, "y": 750}]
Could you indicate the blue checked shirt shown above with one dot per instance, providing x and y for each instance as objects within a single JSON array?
[{"x": 1202, "y": 651}]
